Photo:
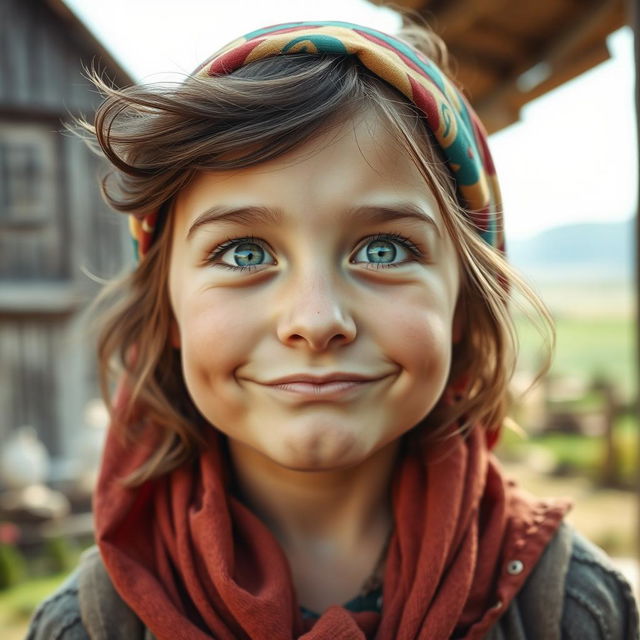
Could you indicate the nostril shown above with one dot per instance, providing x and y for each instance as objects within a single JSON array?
[
  {"x": 318, "y": 342},
  {"x": 315, "y": 324}
]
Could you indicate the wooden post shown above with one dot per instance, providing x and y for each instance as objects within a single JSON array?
[
  {"x": 610, "y": 470},
  {"x": 634, "y": 21}
]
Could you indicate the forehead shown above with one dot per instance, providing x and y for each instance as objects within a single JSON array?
[{"x": 356, "y": 163}]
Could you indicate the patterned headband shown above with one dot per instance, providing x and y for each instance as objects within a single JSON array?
[{"x": 455, "y": 126}]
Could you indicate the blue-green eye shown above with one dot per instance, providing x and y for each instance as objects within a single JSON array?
[
  {"x": 391, "y": 250},
  {"x": 381, "y": 251},
  {"x": 243, "y": 253}
]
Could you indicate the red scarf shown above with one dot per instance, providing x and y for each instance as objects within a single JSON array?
[{"x": 194, "y": 563}]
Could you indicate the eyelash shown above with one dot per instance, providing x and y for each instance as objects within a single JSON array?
[
  {"x": 223, "y": 247},
  {"x": 395, "y": 237}
]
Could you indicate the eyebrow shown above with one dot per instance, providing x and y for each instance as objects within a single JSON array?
[
  {"x": 246, "y": 215},
  {"x": 252, "y": 215}
]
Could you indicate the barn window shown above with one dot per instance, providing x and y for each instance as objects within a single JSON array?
[{"x": 27, "y": 184}]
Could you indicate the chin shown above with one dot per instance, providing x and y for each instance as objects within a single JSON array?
[{"x": 322, "y": 449}]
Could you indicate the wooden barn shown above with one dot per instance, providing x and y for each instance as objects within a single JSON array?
[{"x": 54, "y": 228}]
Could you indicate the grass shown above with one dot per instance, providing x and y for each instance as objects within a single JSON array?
[
  {"x": 594, "y": 341},
  {"x": 627, "y": 447},
  {"x": 588, "y": 347},
  {"x": 47, "y": 568},
  {"x": 18, "y": 603},
  {"x": 573, "y": 453},
  {"x": 578, "y": 454}
]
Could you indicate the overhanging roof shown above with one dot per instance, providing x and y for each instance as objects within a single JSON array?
[
  {"x": 84, "y": 37},
  {"x": 509, "y": 52}
]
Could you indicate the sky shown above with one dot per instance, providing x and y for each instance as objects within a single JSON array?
[{"x": 571, "y": 158}]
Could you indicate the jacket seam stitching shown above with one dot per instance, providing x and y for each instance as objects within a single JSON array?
[
  {"x": 578, "y": 556},
  {"x": 66, "y": 627},
  {"x": 621, "y": 582},
  {"x": 71, "y": 591},
  {"x": 600, "y": 620}
]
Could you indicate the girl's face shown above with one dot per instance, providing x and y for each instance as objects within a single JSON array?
[{"x": 314, "y": 299}]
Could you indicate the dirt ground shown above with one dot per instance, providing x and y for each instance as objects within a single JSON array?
[{"x": 13, "y": 631}]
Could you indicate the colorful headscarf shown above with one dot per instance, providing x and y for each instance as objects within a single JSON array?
[{"x": 455, "y": 126}]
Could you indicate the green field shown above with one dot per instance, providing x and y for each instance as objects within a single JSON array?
[
  {"x": 587, "y": 347},
  {"x": 571, "y": 453},
  {"x": 595, "y": 340}
]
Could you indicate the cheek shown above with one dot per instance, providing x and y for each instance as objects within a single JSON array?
[
  {"x": 417, "y": 336},
  {"x": 215, "y": 340},
  {"x": 422, "y": 326},
  {"x": 419, "y": 344},
  {"x": 424, "y": 344},
  {"x": 209, "y": 360}
]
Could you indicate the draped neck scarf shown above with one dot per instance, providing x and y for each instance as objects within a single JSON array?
[{"x": 194, "y": 563}]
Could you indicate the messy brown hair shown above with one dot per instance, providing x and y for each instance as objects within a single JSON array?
[{"x": 156, "y": 138}]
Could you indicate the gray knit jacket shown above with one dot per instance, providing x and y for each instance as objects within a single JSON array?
[{"x": 573, "y": 593}]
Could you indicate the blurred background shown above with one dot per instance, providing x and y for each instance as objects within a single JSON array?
[{"x": 554, "y": 83}]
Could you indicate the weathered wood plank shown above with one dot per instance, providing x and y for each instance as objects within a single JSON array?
[
  {"x": 47, "y": 366},
  {"x": 17, "y": 33},
  {"x": 38, "y": 298},
  {"x": 47, "y": 62}
]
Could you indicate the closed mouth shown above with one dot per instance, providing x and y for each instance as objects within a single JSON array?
[
  {"x": 320, "y": 380},
  {"x": 312, "y": 388},
  {"x": 320, "y": 389}
]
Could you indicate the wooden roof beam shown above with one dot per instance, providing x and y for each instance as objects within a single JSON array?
[
  {"x": 555, "y": 58},
  {"x": 493, "y": 64},
  {"x": 458, "y": 15}
]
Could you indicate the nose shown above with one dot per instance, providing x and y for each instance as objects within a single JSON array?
[{"x": 315, "y": 314}]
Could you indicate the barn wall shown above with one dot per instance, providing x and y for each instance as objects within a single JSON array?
[
  {"x": 31, "y": 348},
  {"x": 40, "y": 61},
  {"x": 54, "y": 228}
]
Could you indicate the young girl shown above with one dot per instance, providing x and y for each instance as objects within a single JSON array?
[{"x": 313, "y": 356}]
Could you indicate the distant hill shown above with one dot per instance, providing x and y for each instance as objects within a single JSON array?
[{"x": 588, "y": 251}]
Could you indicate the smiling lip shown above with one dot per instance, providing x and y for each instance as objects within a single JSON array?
[
  {"x": 329, "y": 387},
  {"x": 323, "y": 379}
]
